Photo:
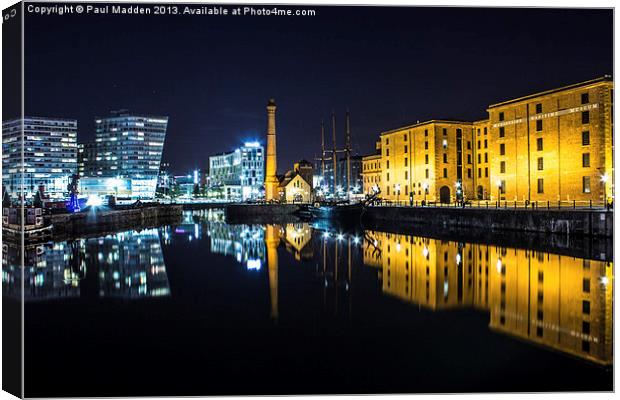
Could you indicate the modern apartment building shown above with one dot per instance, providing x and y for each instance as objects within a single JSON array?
[{"x": 49, "y": 147}]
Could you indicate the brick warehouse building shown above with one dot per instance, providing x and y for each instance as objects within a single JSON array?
[{"x": 554, "y": 145}]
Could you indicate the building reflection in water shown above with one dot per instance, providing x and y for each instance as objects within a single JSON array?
[
  {"x": 561, "y": 302},
  {"x": 125, "y": 265}
]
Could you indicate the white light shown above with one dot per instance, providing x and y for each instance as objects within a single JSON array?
[
  {"x": 398, "y": 247},
  {"x": 356, "y": 240},
  {"x": 94, "y": 201},
  {"x": 326, "y": 234},
  {"x": 458, "y": 258},
  {"x": 604, "y": 178},
  {"x": 499, "y": 265},
  {"x": 425, "y": 252},
  {"x": 340, "y": 237},
  {"x": 254, "y": 265},
  {"x": 252, "y": 144},
  {"x": 604, "y": 280},
  {"x": 499, "y": 183}
]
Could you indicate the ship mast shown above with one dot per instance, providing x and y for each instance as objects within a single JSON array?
[
  {"x": 348, "y": 153},
  {"x": 334, "y": 153}
]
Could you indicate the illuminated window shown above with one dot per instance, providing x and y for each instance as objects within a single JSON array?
[
  {"x": 539, "y": 125},
  {"x": 585, "y": 138},
  {"x": 541, "y": 185},
  {"x": 585, "y": 117},
  {"x": 540, "y": 163},
  {"x": 585, "y": 98},
  {"x": 502, "y": 131},
  {"x": 585, "y": 158},
  {"x": 538, "y": 108},
  {"x": 586, "y": 184},
  {"x": 445, "y": 144}
]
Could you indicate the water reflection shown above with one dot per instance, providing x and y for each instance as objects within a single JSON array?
[
  {"x": 557, "y": 301},
  {"x": 124, "y": 265}
]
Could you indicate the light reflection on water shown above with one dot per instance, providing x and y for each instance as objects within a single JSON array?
[{"x": 560, "y": 302}]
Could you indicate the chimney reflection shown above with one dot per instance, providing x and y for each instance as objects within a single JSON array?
[{"x": 557, "y": 301}]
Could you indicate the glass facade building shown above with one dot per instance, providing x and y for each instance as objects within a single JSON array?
[
  {"x": 49, "y": 155},
  {"x": 238, "y": 174},
  {"x": 127, "y": 146}
]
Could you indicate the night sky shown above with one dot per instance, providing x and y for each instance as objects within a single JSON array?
[{"x": 390, "y": 66}]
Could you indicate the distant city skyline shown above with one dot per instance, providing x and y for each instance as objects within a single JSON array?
[{"x": 389, "y": 66}]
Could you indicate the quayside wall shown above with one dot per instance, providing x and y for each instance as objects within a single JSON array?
[{"x": 587, "y": 222}]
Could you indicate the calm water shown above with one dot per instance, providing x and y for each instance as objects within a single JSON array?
[{"x": 204, "y": 307}]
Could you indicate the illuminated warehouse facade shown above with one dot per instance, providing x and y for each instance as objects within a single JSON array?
[
  {"x": 238, "y": 174},
  {"x": 550, "y": 146},
  {"x": 128, "y": 150},
  {"x": 50, "y": 155}
]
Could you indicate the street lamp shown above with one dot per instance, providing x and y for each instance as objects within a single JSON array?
[
  {"x": 604, "y": 179},
  {"x": 397, "y": 189},
  {"x": 499, "y": 189},
  {"x": 425, "y": 186}
]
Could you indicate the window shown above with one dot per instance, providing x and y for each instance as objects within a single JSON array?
[
  {"x": 485, "y": 129},
  {"x": 502, "y": 190},
  {"x": 585, "y": 158},
  {"x": 387, "y": 152},
  {"x": 586, "y": 285},
  {"x": 502, "y": 131},
  {"x": 405, "y": 161},
  {"x": 405, "y": 137},
  {"x": 479, "y": 172},
  {"x": 478, "y": 131},
  {"x": 501, "y": 116},
  {"x": 585, "y": 98},
  {"x": 585, "y": 138},
  {"x": 585, "y": 307},
  {"x": 585, "y": 117},
  {"x": 425, "y": 132},
  {"x": 486, "y": 157},
  {"x": 585, "y": 327},
  {"x": 485, "y": 144},
  {"x": 425, "y": 158},
  {"x": 405, "y": 149},
  {"x": 387, "y": 141},
  {"x": 502, "y": 149},
  {"x": 539, "y": 125},
  {"x": 426, "y": 173},
  {"x": 468, "y": 145},
  {"x": 540, "y": 163},
  {"x": 538, "y": 108},
  {"x": 406, "y": 177},
  {"x": 486, "y": 172},
  {"x": 445, "y": 158},
  {"x": 388, "y": 164},
  {"x": 445, "y": 172},
  {"x": 541, "y": 185},
  {"x": 445, "y": 144},
  {"x": 539, "y": 144},
  {"x": 502, "y": 167},
  {"x": 469, "y": 159},
  {"x": 478, "y": 144},
  {"x": 469, "y": 172},
  {"x": 586, "y": 184},
  {"x": 479, "y": 158},
  {"x": 445, "y": 131},
  {"x": 425, "y": 145}
]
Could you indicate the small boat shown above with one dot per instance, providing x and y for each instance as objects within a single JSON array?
[{"x": 337, "y": 211}]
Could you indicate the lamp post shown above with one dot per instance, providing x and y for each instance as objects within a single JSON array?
[
  {"x": 397, "y": 189},
  {"x": 425, "y": 191},
  {"x": 499, "y": 190},
  {"x": 604, "y": 179}
]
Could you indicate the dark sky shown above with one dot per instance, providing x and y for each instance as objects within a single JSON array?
[{"x": 390, "y": 66}]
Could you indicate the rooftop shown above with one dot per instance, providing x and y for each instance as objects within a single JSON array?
[{"x": 605, "y": 78}]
